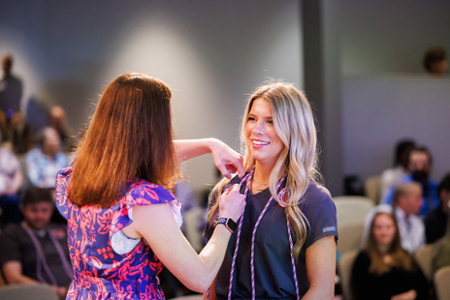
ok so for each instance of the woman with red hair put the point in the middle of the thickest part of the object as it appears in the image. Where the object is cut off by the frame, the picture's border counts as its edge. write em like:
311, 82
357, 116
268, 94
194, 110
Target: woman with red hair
122, 216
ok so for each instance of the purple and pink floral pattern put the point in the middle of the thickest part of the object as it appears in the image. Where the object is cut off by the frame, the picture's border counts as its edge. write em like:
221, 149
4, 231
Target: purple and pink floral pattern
99, 272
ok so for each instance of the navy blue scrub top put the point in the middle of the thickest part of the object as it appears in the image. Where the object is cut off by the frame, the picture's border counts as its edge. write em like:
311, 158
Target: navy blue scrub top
273, 268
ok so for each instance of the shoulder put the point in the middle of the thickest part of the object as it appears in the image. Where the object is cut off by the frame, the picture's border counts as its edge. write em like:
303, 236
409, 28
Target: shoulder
388, 173
234, 180
320, 211
433, 184
62, 157
140, 191
316, 197
7, 158
13, 231
6, 152
62, 178
417, 221
33, 153
434, 214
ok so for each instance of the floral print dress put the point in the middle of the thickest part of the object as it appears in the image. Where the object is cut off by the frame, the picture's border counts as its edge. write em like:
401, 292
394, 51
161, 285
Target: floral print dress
100, 272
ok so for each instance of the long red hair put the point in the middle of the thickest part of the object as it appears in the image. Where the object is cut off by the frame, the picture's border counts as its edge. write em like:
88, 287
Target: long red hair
129, 136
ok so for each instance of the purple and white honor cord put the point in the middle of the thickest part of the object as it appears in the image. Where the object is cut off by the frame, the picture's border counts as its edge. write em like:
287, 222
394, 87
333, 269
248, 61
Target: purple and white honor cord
42, 262
233, 262
291, 248
252, 257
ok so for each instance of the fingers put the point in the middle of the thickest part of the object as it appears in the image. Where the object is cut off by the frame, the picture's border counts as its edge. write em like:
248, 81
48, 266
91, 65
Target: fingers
240, 167
227, 191
232, 167
227, 160
224, 170
234, 187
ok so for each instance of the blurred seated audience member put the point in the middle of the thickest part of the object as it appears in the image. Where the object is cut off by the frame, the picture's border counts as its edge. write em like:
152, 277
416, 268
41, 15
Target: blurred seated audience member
406, 202
383, 270
442, 258
11, 179
435, 61
17, 133
400, 168
36, 251
10, 87
43, 162
57, 120
2, 126
436, 221
184, 194
420, 163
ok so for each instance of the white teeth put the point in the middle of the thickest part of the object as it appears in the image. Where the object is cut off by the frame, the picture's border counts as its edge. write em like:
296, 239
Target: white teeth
260, 143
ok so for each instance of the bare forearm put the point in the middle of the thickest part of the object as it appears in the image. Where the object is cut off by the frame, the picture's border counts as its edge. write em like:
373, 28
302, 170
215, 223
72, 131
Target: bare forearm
187, 149
213, 253
319, 293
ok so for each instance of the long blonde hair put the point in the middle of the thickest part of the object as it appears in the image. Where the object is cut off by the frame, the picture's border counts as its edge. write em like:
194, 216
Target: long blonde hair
294, 124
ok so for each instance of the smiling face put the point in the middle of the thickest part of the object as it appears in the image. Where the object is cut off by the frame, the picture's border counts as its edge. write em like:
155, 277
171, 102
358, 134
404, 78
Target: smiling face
261, 138
383, 230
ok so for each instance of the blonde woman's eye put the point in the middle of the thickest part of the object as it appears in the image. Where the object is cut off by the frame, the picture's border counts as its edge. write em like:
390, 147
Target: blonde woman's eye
270, 122
251, 119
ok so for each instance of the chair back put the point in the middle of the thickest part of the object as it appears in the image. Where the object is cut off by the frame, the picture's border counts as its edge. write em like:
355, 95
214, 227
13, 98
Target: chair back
442, 283
27, 292
424, 258
350, 234
345, 265
372, 187
352, 208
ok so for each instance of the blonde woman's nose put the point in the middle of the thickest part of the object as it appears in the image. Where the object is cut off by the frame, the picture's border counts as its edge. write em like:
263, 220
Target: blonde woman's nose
258, 129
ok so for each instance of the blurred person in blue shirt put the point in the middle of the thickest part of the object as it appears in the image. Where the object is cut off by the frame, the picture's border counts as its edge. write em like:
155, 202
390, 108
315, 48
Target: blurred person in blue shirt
420, 164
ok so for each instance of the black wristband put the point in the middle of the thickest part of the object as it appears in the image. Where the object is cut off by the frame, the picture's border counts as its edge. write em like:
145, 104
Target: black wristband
228, 222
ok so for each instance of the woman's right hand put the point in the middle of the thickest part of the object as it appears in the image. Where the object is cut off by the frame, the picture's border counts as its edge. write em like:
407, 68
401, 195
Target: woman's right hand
231, 203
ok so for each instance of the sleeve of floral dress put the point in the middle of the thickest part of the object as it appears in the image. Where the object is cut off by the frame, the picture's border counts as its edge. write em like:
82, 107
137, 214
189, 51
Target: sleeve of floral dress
141, 192
61, 191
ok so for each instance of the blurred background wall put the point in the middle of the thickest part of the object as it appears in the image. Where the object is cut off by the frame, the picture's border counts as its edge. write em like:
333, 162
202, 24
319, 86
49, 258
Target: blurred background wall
386, 95
359, 61
211, 53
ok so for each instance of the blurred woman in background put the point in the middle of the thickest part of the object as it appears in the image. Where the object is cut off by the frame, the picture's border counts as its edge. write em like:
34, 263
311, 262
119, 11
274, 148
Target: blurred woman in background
383, 270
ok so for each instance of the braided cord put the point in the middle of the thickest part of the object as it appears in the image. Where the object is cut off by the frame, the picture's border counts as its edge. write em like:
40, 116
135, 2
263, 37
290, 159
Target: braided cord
248, 178
233, 262
252, 252
291, 246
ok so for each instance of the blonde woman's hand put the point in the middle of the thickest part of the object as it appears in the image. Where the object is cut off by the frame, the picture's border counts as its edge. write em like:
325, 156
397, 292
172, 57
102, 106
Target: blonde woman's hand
231, 203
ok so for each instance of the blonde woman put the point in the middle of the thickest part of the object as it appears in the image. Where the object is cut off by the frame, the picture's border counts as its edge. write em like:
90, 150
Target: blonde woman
284, 245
